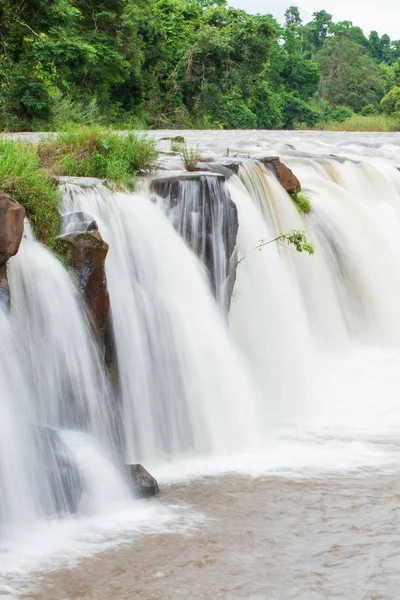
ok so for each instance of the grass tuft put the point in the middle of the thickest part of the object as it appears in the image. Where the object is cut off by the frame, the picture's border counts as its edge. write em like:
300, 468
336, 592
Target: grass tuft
22, 177
98, 152
189, 156
301, 201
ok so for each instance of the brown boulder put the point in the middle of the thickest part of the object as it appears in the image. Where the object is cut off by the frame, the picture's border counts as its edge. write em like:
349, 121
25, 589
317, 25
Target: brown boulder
86, 254
145, 485
12, 217
285, 176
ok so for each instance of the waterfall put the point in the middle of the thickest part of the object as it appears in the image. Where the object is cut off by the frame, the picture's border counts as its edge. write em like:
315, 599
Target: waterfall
266, 309
218, 344
182, 386
355, 226
51, 383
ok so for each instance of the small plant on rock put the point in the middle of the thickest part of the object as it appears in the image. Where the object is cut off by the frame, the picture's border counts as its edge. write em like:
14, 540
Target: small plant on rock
301, 201
190, 156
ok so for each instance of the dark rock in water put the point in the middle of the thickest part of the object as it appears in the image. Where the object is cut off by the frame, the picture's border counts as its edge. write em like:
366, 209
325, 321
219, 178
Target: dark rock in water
201, 210
178, 139
63, 481
78, 222
227, 169
87, 253
144, 484
285, 176
4, 289
83, 182
12, 217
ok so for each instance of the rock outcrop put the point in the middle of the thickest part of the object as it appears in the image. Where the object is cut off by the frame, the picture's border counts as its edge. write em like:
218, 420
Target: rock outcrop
143, 483
201, 210
12, 217
285, 176
86, 254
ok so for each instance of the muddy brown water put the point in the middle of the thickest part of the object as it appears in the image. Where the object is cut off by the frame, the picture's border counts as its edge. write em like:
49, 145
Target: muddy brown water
262, 539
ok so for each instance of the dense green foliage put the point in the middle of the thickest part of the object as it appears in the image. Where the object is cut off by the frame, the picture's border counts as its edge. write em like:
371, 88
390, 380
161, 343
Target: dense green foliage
185, 63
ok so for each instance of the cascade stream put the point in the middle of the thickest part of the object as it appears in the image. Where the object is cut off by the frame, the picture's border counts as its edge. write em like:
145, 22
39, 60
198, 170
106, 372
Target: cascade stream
218, 346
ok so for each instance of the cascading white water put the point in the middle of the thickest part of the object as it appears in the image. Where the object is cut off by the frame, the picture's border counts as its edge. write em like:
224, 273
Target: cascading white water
267, 310
53, 382
185, 387
18, 453
182, 385
355, 224
199, 207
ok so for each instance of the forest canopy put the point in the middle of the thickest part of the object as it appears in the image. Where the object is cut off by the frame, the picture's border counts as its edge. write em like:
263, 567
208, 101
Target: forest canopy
186, 63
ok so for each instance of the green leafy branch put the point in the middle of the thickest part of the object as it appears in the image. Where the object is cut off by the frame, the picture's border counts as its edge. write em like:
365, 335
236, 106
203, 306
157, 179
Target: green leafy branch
295, 237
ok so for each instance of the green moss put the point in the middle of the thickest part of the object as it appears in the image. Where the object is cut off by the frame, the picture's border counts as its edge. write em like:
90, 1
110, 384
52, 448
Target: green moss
98, 152
31, 186
301, 201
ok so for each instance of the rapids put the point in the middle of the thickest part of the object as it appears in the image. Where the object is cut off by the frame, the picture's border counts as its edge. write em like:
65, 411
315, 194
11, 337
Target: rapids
247, 420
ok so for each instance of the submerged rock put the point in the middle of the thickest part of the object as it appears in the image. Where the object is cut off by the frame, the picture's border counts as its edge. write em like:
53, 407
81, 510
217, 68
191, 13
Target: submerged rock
285, 176
4, 289
65, 484
199, 206
77, 222
86, 254
144, 484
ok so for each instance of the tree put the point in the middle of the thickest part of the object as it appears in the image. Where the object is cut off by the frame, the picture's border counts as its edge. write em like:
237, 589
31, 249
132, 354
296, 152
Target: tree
349, 77
292, 18
316, 31
391, 102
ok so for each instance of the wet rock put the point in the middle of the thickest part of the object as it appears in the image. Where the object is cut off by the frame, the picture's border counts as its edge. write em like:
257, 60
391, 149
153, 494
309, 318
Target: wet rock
144, 484
285, 176
4, 289
86, 254
12, 217
62, 475
77, 221
227, 169
83, 182
200, 208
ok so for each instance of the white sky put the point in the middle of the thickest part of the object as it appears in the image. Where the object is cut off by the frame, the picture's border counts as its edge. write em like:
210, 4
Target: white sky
381, 15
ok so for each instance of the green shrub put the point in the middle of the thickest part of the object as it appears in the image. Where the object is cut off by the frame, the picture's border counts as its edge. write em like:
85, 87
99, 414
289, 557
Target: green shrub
31, 186
362, 123
369, 109
66, 112
391, 102
98, 152
301, 201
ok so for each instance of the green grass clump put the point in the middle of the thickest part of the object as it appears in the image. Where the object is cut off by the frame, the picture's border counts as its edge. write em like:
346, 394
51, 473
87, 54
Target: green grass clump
22, 177
98, 152
301, 201
189, 157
